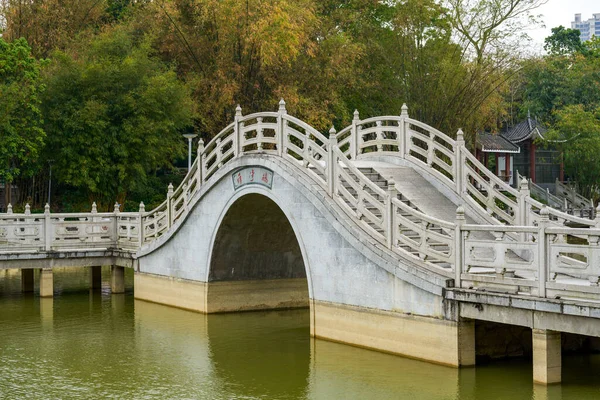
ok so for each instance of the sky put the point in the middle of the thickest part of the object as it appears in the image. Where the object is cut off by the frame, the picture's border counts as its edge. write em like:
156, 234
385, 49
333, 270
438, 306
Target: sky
562, 12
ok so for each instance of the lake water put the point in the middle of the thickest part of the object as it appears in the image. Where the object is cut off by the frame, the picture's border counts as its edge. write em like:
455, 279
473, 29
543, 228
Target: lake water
92, 345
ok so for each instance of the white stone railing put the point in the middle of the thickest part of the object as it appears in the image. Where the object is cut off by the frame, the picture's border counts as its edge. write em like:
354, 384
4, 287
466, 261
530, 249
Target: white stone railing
543, 194
574, 199
451, 163
545, 261
524, 248
26, 232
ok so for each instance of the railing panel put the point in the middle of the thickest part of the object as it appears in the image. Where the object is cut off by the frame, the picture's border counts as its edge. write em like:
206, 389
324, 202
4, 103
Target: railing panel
500, 262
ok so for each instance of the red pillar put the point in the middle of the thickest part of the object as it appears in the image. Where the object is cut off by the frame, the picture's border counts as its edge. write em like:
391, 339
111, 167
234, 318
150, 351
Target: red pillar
532, 161
507, 167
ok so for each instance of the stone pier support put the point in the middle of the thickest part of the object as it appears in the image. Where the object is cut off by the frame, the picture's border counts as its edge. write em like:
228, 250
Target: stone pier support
466, 343
27, 280
96, 278
46, 283
547, 364
117, 279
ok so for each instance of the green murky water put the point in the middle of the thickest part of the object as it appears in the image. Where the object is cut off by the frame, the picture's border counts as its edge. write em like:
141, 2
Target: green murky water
92, 345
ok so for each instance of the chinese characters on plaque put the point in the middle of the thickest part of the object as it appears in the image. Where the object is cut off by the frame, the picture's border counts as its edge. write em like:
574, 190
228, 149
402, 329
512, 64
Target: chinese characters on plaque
252, 176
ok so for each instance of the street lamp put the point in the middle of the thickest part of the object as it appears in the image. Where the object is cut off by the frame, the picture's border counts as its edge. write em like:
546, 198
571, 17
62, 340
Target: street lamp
50, 180
190, 137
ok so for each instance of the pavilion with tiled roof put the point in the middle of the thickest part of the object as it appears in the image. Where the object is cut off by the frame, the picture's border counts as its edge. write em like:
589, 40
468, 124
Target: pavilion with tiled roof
515, 150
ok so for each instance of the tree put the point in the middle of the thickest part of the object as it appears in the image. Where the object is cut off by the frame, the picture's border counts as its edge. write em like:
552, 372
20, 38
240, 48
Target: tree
577, 134
489, 26
114, 114
563, 41
21, 133
49, 24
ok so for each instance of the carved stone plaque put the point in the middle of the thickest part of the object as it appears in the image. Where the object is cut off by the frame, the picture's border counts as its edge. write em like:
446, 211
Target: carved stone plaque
252, 176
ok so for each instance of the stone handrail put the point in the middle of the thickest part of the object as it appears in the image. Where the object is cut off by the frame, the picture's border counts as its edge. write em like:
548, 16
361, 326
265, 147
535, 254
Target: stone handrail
28, 232
544, 194
521, 247
546, 261
451, 163
574, 199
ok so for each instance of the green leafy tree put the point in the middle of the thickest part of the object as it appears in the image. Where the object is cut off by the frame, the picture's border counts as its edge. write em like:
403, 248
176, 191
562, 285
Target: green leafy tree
114, 114
563, 41
21, 132
577, 133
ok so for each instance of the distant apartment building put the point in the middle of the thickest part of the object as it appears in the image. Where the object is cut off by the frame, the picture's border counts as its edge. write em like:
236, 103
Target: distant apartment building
588, 28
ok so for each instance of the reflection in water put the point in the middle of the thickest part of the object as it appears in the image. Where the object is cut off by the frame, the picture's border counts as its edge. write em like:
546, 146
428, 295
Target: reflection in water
261, 353
90, 344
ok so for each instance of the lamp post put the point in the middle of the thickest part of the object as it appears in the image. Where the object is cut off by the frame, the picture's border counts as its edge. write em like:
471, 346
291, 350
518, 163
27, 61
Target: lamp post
190, 137
50, 180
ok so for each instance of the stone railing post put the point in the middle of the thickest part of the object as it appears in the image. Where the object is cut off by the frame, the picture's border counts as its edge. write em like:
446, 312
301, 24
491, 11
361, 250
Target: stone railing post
524, 192
597, 217
185, 197
116, 212
457, 163
390, 219
458, 245
93, 220
354, 136
47, 227
142, 211
27, 209
543, 267
9, 209
237, 133
331, 162
403, 144
170, 205
281, 128
200, 160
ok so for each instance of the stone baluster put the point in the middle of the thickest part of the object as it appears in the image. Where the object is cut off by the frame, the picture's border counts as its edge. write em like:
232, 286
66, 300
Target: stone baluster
9, 209
404, 135
238, 139
219, 151
524, 193
391, 214
597, 218
458, 245
594, 243
170, 210
200, 158
379, 136
281, 136
141, 212
457, 163
543, 267
185, 197
93, 220
27, 209
331, 162
259, 134
354, 136
47, 227
116, 212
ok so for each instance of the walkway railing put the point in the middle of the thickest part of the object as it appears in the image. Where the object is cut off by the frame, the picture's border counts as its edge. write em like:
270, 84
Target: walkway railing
26, 232
526, 248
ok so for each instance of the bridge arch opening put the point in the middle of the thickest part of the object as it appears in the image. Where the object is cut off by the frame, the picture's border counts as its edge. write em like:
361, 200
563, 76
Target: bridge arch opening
256, 261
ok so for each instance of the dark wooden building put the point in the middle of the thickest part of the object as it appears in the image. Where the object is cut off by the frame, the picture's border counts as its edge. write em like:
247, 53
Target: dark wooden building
518, 149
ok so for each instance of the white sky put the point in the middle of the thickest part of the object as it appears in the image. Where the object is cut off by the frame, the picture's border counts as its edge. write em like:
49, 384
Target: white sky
562, 12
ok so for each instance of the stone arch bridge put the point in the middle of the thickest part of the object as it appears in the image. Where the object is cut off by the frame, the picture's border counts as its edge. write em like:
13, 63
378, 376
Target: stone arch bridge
392, 232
